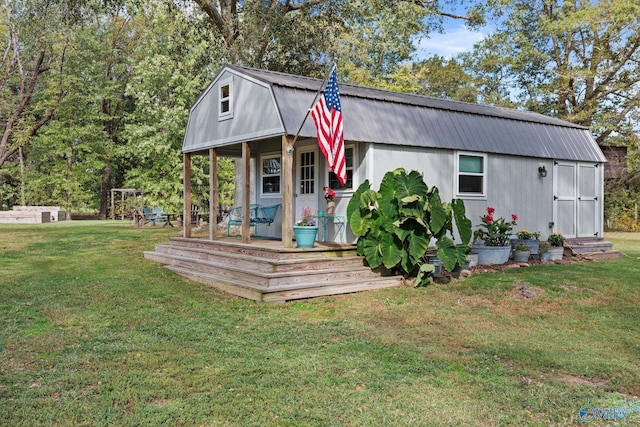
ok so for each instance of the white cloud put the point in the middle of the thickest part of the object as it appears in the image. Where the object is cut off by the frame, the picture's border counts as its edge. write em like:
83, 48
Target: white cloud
454, 41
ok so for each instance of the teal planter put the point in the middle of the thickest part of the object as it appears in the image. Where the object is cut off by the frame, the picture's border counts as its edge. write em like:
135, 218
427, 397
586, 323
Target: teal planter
305, 235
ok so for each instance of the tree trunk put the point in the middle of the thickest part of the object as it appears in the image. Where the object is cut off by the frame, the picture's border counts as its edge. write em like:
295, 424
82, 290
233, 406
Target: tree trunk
104, 189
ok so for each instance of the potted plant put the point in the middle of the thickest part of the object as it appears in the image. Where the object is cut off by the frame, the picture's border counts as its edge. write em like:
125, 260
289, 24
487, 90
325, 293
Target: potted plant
306, 229
493, 238
528, 238
521, 253
544, 252
329, 196
556, 243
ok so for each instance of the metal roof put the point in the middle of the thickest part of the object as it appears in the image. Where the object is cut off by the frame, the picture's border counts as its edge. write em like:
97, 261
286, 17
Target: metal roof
379, 116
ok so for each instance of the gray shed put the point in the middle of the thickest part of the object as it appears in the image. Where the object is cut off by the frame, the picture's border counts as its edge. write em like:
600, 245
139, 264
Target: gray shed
547, 171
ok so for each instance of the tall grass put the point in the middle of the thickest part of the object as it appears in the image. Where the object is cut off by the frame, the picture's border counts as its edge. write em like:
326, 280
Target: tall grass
94, 334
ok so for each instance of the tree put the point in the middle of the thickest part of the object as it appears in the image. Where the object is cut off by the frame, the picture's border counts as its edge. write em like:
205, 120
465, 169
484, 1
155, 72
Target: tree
573, 59
369, 37
30, 68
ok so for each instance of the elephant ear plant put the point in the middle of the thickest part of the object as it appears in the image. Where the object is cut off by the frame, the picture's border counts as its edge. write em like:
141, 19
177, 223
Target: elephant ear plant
396, 225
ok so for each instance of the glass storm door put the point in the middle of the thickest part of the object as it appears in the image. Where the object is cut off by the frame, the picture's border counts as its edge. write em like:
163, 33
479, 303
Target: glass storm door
306, 180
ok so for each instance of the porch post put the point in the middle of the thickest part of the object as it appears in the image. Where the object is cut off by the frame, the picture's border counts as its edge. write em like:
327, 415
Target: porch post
213, 193
186, 215
287, 191
246, 192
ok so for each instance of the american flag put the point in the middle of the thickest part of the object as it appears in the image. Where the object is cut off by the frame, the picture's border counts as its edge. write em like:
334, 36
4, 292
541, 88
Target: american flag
327, 115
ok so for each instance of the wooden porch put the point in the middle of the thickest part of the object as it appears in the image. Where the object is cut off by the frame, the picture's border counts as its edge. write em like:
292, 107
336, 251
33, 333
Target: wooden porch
264, 270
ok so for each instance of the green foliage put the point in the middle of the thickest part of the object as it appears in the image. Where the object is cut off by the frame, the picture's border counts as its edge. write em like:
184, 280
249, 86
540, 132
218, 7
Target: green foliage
396, 224
494, 231
574, 60
555, 239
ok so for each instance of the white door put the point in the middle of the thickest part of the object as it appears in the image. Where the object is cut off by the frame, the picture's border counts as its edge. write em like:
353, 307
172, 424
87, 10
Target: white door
588, 203
306, 180
576, 205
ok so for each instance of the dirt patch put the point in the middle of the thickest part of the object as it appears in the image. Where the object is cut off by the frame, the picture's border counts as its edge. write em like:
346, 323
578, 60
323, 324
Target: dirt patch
572, 288
524, 290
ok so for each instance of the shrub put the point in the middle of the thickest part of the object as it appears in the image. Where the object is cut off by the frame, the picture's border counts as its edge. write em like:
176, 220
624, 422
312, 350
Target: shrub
395, 225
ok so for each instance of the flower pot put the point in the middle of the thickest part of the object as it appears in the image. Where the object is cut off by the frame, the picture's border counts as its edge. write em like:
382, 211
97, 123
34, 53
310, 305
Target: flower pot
555, 253
305, 235
472, 260
521, 256
532, 244
437, 264
331, 208
492, 254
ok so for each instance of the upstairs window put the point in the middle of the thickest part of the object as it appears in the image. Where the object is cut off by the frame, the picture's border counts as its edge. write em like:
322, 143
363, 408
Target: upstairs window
471, 175
224, 95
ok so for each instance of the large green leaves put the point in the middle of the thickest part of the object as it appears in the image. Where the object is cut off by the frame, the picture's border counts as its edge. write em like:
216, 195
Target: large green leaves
396, 225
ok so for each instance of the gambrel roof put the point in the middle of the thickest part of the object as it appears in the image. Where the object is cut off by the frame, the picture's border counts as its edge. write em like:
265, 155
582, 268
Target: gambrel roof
379, 116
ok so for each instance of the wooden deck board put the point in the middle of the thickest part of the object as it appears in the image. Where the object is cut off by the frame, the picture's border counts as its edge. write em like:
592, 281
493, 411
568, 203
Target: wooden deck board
263, 270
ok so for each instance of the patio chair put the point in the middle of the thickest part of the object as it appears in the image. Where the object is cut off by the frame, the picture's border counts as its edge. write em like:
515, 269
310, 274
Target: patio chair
266, 215
159, 215
235, 216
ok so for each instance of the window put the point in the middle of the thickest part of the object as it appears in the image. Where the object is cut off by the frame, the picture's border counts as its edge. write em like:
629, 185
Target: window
333, 179
226, 107
270, 174
471, 175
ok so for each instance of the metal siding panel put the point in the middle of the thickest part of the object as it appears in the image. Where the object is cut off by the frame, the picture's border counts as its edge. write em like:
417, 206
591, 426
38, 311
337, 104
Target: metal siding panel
372, 115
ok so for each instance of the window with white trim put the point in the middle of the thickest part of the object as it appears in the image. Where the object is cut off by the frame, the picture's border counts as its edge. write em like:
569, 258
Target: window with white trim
471, 176
224, 95
270, 169
349, 152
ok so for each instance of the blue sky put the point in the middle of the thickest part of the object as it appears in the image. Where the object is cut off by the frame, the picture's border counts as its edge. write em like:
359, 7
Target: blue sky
456, 39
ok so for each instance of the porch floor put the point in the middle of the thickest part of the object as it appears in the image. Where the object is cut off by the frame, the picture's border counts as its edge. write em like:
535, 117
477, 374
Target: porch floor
264, 270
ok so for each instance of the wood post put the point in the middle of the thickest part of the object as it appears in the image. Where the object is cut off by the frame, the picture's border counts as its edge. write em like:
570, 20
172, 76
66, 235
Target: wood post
186, 215
287, 191
246, 192
213, 193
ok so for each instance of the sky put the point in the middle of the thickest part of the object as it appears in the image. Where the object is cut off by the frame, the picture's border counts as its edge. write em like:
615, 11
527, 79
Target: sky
456, 39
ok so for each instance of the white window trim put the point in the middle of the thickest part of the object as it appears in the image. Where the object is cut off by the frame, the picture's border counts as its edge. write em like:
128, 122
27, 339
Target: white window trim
262, 158
229, 114
456, 176
356, 183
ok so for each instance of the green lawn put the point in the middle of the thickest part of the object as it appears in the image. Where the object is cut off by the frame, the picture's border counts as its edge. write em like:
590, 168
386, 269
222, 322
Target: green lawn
94, 334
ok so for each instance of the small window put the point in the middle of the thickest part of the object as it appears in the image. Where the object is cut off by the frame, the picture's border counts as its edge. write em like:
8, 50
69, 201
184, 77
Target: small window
471, 176
333, 179
270, 174
226, 107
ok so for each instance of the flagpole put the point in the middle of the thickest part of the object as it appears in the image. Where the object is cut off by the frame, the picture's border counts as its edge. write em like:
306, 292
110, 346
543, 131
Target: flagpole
324, 83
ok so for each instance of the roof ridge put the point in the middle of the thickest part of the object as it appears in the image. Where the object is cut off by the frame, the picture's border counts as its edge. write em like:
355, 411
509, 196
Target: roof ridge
403, 98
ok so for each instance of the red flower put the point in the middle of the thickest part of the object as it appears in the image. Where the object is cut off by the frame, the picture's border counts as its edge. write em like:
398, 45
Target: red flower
488, 218
490, 210
514, 217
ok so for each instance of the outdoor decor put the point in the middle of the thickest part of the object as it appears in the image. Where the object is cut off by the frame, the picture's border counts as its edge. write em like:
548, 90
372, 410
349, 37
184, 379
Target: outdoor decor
306, 229
493, 238
329, 196
529, 239
556, 249
521, 253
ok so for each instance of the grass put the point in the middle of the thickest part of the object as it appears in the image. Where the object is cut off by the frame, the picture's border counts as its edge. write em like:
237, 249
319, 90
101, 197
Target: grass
94, 334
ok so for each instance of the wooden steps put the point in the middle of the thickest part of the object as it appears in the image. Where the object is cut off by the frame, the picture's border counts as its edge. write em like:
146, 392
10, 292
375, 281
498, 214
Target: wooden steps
593, 248
264, 271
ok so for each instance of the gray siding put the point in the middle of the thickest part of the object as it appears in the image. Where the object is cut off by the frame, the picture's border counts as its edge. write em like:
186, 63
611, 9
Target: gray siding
255, 115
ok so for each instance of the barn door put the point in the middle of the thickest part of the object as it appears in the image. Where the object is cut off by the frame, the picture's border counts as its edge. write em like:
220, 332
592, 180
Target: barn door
588, 203
575, 202
564, 198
